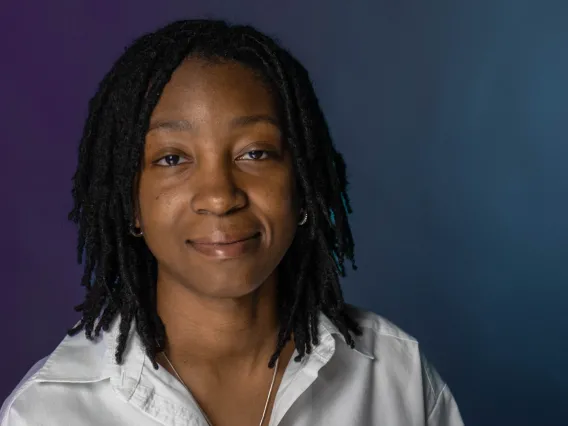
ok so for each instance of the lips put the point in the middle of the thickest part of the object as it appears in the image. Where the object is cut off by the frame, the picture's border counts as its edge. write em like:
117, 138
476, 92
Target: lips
226, 246
220, 239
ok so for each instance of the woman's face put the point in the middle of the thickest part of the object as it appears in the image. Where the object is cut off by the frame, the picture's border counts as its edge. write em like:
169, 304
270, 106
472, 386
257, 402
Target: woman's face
216, 196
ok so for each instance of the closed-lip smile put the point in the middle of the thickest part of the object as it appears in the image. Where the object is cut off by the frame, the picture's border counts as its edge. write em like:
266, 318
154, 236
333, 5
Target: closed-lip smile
220, 239
226, 246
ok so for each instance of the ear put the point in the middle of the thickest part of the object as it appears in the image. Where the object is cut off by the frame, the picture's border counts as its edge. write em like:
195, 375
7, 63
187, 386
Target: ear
137, 219
136, 202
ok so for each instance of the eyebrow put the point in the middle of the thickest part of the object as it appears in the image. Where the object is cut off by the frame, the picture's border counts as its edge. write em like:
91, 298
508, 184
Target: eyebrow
184, 125
253, 119
171, 125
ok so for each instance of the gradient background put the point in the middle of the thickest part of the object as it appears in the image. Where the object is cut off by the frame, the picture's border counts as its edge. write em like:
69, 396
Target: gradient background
453, 119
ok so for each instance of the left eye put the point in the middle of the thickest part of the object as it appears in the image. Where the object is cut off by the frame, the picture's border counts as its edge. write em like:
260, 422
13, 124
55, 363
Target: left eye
171, 161
255, 155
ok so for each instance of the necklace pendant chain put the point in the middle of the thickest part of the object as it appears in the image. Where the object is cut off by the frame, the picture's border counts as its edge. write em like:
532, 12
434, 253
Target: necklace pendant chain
204, 415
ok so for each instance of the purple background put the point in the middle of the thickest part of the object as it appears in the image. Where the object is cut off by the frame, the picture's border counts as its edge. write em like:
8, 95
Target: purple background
452, 118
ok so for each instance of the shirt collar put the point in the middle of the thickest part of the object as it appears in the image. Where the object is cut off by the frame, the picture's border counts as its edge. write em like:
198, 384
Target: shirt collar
363, 344
78, 360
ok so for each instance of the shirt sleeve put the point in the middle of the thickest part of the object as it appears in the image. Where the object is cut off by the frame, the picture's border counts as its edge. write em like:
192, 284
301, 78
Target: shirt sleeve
442, 409
7, 417
445, 412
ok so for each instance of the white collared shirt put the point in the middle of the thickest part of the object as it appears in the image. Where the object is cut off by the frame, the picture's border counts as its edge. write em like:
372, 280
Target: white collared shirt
385, 381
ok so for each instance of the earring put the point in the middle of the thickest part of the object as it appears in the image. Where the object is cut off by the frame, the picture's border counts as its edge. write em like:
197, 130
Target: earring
304, 218
136, 232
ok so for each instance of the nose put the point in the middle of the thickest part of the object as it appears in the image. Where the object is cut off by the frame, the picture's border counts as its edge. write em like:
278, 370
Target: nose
217, 192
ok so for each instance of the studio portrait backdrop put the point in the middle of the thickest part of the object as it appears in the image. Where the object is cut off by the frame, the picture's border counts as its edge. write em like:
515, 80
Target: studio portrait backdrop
452, 117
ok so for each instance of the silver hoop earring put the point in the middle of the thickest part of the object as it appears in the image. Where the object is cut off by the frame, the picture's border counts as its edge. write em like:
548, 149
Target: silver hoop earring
304, 219
136, 232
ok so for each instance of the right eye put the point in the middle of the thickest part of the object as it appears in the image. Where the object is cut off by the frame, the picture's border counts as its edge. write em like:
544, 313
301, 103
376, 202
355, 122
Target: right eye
171, 161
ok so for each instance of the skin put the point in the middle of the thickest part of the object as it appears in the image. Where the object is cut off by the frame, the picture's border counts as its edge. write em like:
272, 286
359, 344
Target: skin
216, 170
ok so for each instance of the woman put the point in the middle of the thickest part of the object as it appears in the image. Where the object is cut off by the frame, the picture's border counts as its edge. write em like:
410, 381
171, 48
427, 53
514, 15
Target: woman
212, 214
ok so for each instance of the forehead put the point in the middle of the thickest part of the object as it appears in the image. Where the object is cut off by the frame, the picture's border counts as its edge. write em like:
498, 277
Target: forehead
206, 89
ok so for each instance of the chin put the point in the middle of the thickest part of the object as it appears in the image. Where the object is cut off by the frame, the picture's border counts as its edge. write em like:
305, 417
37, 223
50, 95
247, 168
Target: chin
234, 284
225, 280
229, 291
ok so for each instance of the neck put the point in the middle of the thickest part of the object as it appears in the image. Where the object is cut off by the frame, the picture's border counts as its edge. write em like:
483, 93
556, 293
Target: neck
212, 331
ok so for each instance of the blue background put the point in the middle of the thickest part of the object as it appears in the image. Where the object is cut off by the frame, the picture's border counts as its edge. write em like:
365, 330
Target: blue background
452, 116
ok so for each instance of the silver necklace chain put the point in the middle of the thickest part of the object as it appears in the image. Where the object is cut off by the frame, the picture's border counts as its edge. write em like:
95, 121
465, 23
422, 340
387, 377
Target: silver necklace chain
206, 419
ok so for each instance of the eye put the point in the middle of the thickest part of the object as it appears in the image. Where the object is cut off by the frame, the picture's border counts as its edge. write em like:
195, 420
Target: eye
171, 161
257, 154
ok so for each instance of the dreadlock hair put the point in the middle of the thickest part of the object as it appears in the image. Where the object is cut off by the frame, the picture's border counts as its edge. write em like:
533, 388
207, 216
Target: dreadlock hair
120, 272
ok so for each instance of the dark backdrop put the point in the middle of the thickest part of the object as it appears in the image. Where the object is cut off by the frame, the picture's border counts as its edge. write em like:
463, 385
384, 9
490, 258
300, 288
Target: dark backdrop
452, 116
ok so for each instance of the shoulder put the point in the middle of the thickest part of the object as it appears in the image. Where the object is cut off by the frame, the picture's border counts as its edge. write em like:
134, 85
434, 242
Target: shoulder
20, 388
399, 353
379, 325
381, 336
75, 360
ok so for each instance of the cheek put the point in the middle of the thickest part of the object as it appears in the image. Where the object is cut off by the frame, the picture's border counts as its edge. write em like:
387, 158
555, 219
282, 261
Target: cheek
158, 206
159, 217
276, 197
